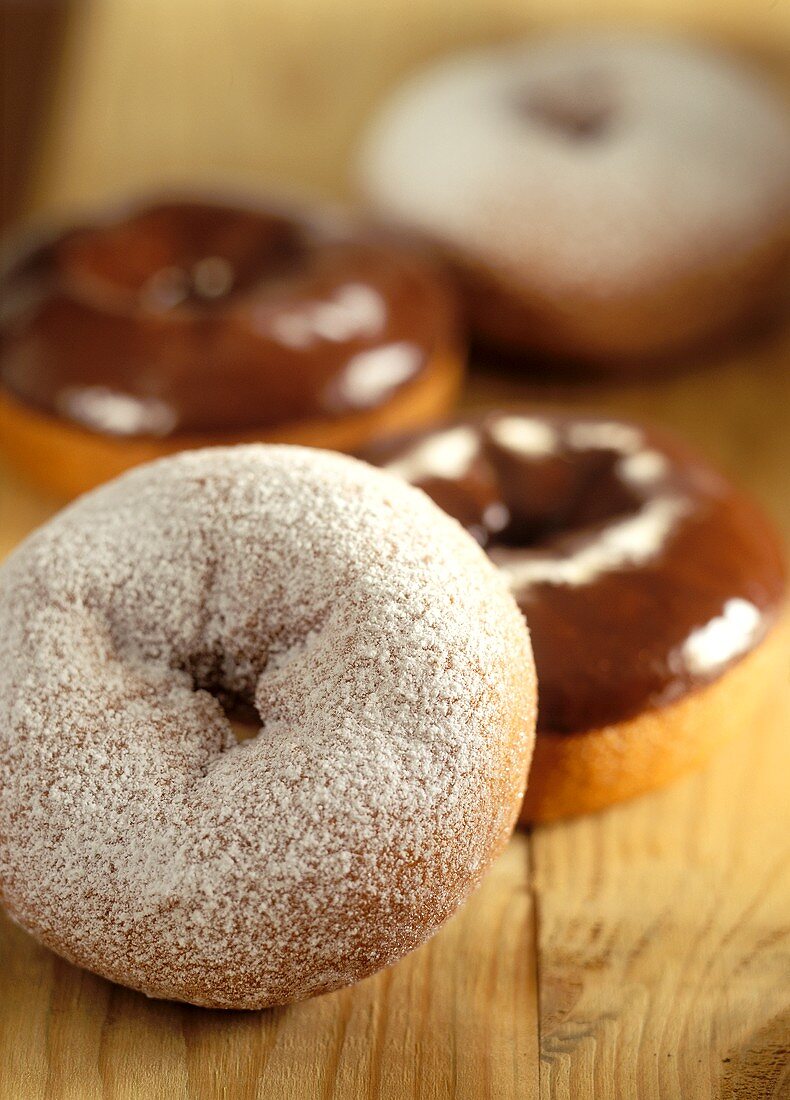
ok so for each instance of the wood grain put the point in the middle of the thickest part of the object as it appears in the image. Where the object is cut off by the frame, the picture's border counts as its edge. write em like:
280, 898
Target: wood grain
642, 953
663, 939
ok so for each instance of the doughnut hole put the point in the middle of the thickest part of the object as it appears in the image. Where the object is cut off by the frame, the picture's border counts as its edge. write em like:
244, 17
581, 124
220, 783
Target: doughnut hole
581, 108
587, 492
554, 495
245, 722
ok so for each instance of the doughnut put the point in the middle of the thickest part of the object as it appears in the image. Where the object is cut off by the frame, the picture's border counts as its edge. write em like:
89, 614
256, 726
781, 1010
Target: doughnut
178, 324
652, 586
393, 676
607, 199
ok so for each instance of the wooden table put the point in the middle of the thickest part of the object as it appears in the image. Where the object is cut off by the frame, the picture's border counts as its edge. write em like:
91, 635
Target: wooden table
641, 953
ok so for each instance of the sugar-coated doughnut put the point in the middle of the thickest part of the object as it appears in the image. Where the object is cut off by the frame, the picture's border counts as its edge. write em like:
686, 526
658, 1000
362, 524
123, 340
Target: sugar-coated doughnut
653, 589
392, 673
603, 196
184, 323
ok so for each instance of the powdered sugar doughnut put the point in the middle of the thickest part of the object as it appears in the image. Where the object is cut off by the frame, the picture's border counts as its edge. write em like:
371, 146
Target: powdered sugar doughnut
602, 194
393, 676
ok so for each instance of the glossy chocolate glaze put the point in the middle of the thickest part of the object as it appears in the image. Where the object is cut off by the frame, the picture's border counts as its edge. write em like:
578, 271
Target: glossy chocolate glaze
191, 317
643, 573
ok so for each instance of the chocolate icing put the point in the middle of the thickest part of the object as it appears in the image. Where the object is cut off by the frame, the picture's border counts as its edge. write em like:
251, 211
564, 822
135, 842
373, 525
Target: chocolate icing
643, 573
196, 317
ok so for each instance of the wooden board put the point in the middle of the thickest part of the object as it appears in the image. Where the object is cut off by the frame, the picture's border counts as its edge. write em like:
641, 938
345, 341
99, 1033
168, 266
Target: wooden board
642, 953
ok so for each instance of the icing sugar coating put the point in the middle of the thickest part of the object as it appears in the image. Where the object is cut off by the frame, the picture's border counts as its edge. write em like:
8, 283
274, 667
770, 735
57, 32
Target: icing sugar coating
392, 673
196, 317
642, 571
589, 163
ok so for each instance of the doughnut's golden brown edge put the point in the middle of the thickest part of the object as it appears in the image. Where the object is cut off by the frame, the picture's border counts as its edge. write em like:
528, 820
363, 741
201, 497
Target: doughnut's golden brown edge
574, 774
64, 460
691, 314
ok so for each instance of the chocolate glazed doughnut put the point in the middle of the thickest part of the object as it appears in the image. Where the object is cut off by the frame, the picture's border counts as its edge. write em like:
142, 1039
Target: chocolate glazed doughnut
652, 588
183, 323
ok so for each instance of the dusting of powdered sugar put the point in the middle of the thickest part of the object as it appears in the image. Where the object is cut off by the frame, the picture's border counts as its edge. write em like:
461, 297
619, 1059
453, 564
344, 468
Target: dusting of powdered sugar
390, 668
592, 161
